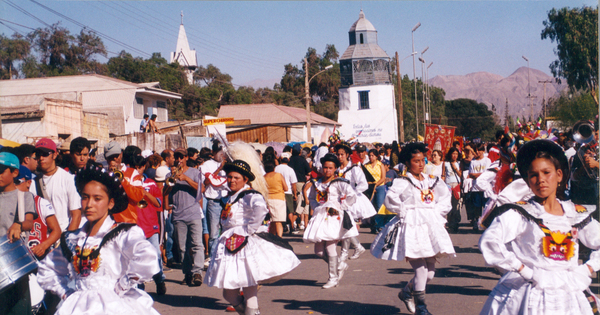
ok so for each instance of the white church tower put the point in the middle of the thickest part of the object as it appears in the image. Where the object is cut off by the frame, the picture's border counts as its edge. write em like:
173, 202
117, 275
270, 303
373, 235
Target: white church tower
183, 55
367, 101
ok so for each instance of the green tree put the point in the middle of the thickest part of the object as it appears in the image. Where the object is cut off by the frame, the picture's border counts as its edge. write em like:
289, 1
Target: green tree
12, 50
575, 32
568, 109
472, 119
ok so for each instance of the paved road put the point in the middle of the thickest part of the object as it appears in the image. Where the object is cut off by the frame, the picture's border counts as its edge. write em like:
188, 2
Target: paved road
370, 286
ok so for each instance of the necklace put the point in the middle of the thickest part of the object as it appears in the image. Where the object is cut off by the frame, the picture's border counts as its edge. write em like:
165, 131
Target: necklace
426, 193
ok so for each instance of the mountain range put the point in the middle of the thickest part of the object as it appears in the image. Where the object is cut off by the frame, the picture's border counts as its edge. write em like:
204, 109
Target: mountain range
492, 89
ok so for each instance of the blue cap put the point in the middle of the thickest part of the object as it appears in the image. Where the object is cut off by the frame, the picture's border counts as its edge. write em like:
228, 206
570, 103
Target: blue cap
297, 147
9, 159
24, 173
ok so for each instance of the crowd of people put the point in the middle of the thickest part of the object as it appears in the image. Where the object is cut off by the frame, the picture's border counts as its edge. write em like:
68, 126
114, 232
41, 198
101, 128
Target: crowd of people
100, 231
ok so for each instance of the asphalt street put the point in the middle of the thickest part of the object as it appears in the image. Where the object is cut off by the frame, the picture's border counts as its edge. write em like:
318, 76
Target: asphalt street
370, 286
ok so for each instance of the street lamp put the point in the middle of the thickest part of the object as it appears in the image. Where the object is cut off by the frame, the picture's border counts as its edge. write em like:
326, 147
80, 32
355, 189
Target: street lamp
423, 91
428, 100
306, 90
415, 75
400, 103
529, 89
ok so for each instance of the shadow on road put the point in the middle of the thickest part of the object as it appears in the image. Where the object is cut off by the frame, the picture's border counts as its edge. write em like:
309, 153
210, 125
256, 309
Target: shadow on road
303, 282
338, 307
190, 301
466, 250
456, 271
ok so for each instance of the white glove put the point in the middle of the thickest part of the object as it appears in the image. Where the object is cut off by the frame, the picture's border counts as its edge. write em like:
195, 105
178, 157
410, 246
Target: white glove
527, 273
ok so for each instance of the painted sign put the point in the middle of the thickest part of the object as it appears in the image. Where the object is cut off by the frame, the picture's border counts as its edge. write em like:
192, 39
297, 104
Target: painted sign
215, 121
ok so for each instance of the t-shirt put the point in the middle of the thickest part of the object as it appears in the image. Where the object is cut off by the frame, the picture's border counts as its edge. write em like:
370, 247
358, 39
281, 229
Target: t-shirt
478, 166
143, 125
213, 192
185, 198
300, 167
288, 174
433, 169
275, 184
391, 174
451, 176
8, 210
147, 218
62, 194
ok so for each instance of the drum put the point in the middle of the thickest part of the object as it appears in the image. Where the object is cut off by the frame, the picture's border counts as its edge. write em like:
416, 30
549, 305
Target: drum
16, 261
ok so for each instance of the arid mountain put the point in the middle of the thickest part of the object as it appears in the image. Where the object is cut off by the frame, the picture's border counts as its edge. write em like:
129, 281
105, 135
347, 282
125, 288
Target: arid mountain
494, 89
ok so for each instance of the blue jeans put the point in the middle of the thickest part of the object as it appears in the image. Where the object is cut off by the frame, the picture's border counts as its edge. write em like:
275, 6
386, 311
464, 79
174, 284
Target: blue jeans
213, 218
160, 276
379, 197
169, 238
190, 232
204, 223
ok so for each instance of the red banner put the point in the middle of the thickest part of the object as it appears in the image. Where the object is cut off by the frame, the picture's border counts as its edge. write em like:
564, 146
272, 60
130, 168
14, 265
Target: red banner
438, 137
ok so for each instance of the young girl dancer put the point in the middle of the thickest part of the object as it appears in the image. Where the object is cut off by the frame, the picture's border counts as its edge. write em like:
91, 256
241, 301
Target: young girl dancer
417, 233
535, 241
107, 260
331, 198
363, 208
245, 255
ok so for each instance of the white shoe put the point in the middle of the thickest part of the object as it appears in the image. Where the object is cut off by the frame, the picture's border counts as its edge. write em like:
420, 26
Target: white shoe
341, 270
343, 256
302, 226
331, 283
357, 252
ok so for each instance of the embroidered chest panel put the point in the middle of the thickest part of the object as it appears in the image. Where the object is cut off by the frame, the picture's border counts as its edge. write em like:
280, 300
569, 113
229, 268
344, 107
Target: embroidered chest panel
84, 262
557, 245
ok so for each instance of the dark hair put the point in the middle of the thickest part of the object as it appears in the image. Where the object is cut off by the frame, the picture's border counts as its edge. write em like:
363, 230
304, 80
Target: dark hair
138, 161
78, 144
375, 152
112, 185
23, 151
562, 185
216, 146
330, 158
287, 148
439, 153
93, 152
449, 154
191, 151
205, 154
410, 149
153, 117
129, 153
344, 147
499, 134
192, 163
146, 116
269, 166
480, 147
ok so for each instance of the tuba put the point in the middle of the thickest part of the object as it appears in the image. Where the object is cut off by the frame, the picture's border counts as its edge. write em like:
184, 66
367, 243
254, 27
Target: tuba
583, 132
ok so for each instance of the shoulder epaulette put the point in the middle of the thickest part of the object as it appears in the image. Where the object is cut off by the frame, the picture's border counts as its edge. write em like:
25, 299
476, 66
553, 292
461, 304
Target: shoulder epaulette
114, 232
339, 179
518, 206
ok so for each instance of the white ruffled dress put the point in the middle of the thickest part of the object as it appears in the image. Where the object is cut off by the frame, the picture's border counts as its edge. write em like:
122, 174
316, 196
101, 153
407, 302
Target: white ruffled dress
418, 229
336, 194
559, 284
362, 208
129, 255
259, 261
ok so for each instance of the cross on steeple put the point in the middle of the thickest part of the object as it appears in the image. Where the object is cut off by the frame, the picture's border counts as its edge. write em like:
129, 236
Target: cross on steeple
181, 17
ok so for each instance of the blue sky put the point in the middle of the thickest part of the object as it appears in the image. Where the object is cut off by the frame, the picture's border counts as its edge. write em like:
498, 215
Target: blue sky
254, 40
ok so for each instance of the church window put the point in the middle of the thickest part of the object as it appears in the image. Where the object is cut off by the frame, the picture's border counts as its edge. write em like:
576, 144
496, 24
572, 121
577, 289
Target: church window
363, 97
361, 39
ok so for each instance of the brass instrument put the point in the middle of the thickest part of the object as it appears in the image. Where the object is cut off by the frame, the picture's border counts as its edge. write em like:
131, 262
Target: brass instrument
119, 175
583, 133
142, 204
173, 179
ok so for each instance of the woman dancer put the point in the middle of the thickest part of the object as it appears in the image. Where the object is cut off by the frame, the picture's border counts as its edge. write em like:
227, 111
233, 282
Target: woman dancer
331, 198
107, 260
363, 208
246, 255
543, 275
417, 233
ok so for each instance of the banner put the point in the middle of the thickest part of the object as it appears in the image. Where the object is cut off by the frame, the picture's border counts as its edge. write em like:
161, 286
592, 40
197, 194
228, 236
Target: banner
210, 122
438, 137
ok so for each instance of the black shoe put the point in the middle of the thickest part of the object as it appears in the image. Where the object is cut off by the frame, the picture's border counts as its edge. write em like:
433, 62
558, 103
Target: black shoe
196, 280
170, 263
187, 280
161, 288
422, 310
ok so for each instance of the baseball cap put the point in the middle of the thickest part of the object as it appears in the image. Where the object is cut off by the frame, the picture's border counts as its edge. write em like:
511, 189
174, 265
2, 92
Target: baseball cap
181, 151
286, 155
112, 148
24, 173
146, 153
9, 159
161, 173
46, 145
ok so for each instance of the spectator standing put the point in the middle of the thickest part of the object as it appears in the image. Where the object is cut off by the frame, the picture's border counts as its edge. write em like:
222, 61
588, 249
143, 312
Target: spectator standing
277, 188
26, 155
152, 124
290, 194
435, 166
113, 156
474, 204
377, 171
79, 155
302, 170
57, 186
168, 162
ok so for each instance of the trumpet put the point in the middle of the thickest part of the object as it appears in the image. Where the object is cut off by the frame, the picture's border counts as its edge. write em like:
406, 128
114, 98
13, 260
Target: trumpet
119, 175
173, 179
142, 204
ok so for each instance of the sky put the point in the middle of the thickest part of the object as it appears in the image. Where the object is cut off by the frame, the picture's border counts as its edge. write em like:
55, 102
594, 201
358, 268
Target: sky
252, 40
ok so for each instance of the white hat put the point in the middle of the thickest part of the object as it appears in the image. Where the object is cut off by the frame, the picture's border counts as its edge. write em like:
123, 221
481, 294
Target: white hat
146, 153
161, 173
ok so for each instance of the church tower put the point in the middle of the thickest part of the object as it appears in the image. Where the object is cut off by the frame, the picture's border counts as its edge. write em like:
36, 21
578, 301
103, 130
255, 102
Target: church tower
367, 101
183, 55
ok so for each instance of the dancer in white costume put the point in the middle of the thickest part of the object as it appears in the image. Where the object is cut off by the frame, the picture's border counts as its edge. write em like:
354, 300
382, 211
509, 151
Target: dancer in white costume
417, 233
245, 254
331, 197
535, 241
362, 208
106, 260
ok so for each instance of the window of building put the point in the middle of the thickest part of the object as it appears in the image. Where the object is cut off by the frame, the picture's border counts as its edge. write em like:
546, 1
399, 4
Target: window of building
139, 100
161, 104
361, 39
363, 98
138, 108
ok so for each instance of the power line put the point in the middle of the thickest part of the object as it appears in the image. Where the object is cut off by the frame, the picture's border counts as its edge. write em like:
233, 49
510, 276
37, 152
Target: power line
33, 29
26, 12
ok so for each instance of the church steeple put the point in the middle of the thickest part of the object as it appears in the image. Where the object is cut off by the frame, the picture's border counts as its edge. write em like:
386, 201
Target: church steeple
183, 54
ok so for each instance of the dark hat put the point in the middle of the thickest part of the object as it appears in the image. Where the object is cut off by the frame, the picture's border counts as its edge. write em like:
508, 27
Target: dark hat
109, 180
241, 167
330, 158
181, 151
528, 151
343, 145
407, 151
361, 148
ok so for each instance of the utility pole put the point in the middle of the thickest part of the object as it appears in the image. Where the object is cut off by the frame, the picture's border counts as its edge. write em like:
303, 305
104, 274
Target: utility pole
544, 99
400, 104
308, 135
506, 116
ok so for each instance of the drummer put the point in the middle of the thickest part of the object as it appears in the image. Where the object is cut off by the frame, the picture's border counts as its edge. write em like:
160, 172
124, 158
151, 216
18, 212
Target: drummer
16, 299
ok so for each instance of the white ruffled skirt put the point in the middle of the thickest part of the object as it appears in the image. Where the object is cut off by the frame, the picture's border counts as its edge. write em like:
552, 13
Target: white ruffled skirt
421, 234
104, 301
323, 227
560, 292
260, 261
362, 208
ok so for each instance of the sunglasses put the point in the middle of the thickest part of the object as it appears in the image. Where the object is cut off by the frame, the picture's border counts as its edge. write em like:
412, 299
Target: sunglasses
42, 153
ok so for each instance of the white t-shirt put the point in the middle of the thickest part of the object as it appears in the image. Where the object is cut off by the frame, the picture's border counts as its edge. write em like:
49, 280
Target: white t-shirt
451, 176
211, 191
478, 166
433, 169
288, 175
62, 194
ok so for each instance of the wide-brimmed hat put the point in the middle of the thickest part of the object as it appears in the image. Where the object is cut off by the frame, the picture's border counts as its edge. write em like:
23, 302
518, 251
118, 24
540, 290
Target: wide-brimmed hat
528, 151
241, 167
330, 158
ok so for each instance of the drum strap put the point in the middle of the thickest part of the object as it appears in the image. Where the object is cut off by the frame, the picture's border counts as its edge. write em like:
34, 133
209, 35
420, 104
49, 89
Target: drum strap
114, 232
21, 205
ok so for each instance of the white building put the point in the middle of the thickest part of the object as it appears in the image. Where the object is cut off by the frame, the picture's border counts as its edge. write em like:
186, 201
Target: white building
184, 55
367, 99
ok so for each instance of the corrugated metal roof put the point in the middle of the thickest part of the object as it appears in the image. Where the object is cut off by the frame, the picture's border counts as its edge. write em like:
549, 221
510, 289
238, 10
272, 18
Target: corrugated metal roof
262, 114
361, 51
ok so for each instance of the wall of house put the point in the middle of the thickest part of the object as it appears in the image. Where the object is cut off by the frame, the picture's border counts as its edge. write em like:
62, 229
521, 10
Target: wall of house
63, 117
95, 127
23, 130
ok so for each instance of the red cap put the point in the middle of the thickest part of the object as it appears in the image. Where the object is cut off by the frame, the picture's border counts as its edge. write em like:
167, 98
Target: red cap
46, 143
